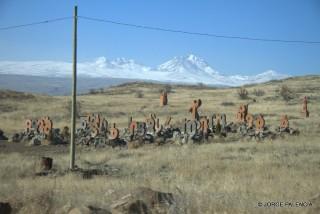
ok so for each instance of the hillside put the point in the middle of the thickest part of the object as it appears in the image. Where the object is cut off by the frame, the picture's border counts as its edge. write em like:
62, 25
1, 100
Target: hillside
117, 103
229, 175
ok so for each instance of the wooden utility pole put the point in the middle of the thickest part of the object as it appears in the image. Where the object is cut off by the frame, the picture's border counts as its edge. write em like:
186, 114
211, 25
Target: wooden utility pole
74, 90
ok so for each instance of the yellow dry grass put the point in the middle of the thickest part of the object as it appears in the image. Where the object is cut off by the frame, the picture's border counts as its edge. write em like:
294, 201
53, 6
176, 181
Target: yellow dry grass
210, 178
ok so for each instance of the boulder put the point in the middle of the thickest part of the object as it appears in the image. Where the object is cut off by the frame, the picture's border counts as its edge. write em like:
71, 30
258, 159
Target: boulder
5, 208
35, 141
65, 134
65, 209
16, 138
315, 208
80, 210
88, 210
2, 137
44, 164
144, 201
38, 206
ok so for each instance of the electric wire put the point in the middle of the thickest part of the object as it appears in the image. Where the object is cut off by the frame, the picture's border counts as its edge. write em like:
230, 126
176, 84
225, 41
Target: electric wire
146, 27
35, 23
196, 33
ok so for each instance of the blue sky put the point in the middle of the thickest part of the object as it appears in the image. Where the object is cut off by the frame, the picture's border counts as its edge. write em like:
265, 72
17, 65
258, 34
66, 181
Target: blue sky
274, 19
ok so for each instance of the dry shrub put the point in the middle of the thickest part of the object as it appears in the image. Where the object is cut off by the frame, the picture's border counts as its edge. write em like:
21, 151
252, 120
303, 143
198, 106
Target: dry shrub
93, 91
134, 144
7, 108
167, 88
101, 90
138, 94
201, 85
78, 108
7, 94
243, 93
38, 204
259, 92
227, 103
285, 93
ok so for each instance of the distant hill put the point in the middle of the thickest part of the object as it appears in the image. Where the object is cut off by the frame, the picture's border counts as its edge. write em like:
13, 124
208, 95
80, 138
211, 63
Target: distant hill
62, 86
54, 85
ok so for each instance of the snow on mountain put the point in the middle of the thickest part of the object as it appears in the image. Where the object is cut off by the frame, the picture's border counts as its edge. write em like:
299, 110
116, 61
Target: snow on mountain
191, 69
184, 69
259, 78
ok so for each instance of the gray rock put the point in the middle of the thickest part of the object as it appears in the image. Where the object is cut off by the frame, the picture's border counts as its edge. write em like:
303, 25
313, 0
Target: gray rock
35, 142
5, 208
144, 201
88, 210
2, 137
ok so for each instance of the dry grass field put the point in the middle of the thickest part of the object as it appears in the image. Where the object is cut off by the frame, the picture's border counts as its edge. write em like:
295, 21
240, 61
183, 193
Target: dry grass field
228, 175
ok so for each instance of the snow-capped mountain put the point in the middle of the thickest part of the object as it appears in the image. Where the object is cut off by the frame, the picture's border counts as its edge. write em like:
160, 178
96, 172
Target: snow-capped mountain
192, 69
191, 64
185, 69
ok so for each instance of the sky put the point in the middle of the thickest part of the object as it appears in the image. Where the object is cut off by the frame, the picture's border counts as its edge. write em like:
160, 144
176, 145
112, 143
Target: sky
273, 19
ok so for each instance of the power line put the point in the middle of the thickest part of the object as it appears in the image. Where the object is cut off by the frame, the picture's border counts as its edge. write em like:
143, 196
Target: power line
161, 29
35, 23
197, 33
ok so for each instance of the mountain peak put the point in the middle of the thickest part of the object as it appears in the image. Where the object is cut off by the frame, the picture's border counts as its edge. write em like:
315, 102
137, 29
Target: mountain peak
101, 59
190, 65
193, 58
123, 60
101, 62
187, 62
